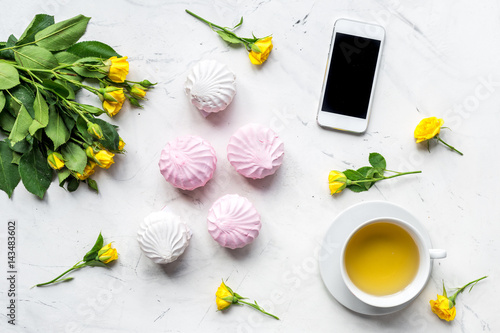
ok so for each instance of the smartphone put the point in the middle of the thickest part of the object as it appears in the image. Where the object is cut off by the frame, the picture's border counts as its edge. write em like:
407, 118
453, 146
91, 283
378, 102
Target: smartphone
350, 76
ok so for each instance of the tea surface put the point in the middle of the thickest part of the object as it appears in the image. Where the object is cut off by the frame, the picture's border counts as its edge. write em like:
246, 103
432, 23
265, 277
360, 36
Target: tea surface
381, 258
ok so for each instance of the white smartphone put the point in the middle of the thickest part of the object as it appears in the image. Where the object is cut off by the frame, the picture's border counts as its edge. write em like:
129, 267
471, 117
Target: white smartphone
350, 76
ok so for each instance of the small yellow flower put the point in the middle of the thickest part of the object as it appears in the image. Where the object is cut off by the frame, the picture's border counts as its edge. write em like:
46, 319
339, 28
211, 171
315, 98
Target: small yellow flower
337, 181
265, 45
55, 161
138, 91
221, 296
443, 307
121, 144
111, 107
87, 172
107, 254
104, 158
118, 70
428, 128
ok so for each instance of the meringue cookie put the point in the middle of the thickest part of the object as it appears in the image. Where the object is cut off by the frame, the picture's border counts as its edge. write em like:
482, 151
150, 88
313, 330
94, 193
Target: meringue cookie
163, 237
255, 151
210, 86
233, 221
188, 162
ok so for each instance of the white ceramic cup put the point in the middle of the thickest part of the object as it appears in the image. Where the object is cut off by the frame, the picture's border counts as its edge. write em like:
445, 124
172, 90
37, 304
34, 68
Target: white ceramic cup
414, 288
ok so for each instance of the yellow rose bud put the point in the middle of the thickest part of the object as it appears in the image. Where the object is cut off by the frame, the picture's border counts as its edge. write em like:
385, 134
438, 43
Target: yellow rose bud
222, 293
111, 107
104, 158
138, 91
118, 69
337, 181
94, 130
428, 128
90, 152
107, 254
87, 172
55, 160
443, 307
121, 144
265, 45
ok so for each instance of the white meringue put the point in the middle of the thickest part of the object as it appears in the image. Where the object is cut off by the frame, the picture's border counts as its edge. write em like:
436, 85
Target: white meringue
188, 162
163, 237
255, 151
210, 86
233, 221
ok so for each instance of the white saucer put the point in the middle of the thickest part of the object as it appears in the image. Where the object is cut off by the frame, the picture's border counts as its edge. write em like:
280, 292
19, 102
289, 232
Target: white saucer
337, 233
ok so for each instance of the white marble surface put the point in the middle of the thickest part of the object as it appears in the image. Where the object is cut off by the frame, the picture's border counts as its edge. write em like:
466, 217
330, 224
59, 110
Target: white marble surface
440, 57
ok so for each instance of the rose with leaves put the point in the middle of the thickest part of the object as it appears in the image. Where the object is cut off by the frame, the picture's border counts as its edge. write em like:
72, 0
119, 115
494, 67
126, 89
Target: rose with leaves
258, 48
99, 256
47, 129
363, 178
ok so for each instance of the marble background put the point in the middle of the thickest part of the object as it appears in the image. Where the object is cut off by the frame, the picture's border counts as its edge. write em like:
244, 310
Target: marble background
440, 59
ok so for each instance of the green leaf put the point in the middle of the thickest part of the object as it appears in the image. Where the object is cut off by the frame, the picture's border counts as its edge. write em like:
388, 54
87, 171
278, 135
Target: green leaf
39, 22
6, 122
96, 263
377, 161
41, 119
36, 58
19, 96
81, 126
63, 34
9, 173
9, 76
56, 87
353, 175
110, 137
357, 188
16, 158
74, 156
92, 184
21, 126
92, 254
56, 129
92, 109
66, 58
73, 184
22, 146
2, 100
93, 49
35, 172
364, 171
63, 175
9, 54
230, 38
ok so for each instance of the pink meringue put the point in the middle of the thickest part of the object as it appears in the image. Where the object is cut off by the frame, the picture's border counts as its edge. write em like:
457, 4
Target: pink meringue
188, 162
233, 221
255, 151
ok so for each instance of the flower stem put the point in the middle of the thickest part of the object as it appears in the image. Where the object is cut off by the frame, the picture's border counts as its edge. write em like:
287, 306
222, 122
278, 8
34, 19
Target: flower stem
452, 298
382, 178
451, 147
76, 266
257, 307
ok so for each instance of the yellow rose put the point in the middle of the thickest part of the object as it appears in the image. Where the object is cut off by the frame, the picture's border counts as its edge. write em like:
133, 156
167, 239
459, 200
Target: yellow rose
265, 45
428, 128
111, 107
121, 144
55, 161
443, 307
104, 158
87, 172
118, 70
337, 181
107, 254
222, 293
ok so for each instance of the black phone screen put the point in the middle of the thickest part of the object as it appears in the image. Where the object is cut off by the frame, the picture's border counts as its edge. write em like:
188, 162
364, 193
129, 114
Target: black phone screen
350, 78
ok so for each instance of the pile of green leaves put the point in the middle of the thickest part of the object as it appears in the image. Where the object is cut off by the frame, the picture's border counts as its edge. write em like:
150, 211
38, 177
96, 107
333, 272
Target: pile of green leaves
40, 75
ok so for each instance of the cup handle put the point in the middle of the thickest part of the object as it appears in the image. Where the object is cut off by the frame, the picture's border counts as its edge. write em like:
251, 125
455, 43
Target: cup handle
437, 253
